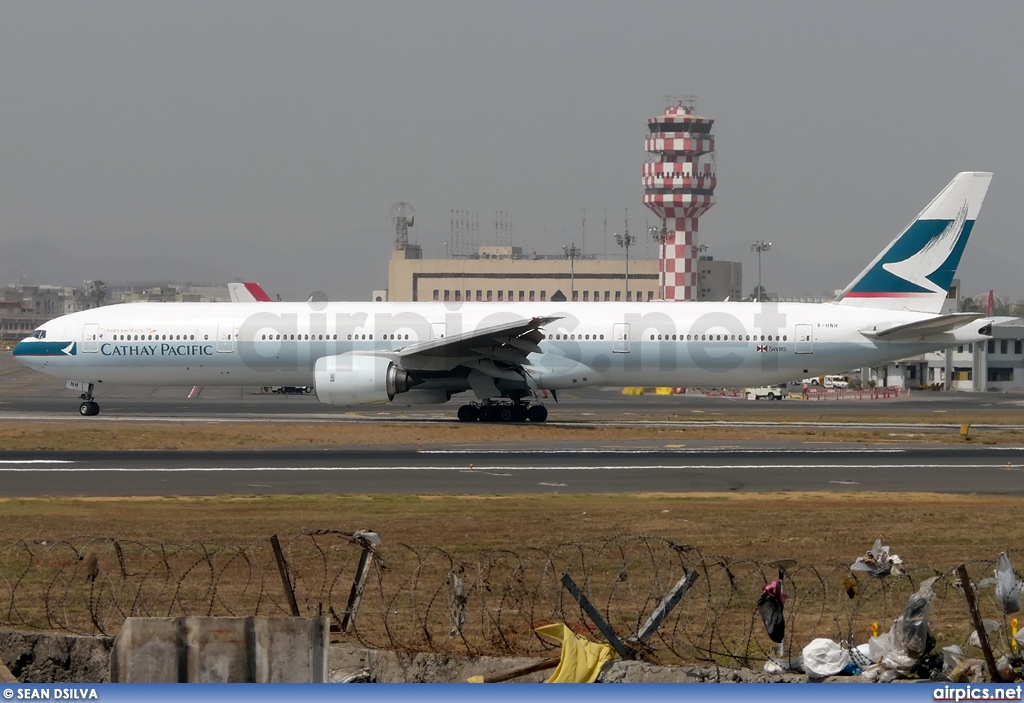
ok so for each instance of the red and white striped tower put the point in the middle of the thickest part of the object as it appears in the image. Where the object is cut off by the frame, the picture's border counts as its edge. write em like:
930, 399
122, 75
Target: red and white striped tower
679, 188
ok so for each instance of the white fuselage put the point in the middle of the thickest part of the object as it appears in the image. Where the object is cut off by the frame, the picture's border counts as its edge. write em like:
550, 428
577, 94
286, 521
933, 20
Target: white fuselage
623, 344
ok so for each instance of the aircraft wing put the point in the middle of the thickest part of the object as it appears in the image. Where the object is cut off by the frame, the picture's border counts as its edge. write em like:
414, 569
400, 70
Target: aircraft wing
495, 351
924, 328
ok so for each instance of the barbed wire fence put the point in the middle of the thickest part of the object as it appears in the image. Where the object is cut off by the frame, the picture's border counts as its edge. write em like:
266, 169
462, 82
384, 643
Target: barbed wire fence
416, 598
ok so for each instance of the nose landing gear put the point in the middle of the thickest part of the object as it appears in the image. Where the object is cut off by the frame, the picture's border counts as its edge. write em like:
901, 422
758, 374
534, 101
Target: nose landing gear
89, 406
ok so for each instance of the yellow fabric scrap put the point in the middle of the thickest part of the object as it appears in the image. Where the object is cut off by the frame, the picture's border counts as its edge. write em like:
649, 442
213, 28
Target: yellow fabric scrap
581, 659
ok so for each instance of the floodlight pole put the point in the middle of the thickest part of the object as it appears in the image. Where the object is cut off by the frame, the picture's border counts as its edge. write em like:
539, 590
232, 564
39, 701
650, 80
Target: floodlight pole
571, 252
760, 246
625, 240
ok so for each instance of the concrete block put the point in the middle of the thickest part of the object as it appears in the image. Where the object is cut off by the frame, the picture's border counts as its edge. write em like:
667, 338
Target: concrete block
221, 650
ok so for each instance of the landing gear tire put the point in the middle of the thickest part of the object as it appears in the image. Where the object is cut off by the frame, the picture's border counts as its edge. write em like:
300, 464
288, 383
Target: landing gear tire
488, 414
537, 413
469, 413
506, 413
88, 409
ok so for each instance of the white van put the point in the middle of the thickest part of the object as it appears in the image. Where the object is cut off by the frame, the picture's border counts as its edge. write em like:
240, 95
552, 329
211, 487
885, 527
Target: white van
836, 382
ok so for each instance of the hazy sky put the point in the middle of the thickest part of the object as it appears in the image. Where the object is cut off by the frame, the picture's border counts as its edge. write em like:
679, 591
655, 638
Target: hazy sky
268, 140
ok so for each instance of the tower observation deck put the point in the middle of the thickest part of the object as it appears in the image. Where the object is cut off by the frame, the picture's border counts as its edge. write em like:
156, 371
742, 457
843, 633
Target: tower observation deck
679, 188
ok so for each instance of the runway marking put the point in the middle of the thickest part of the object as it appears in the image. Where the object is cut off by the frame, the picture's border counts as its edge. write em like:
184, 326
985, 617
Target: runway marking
846, 482
553, 485
667, 450
485, 469
35, 461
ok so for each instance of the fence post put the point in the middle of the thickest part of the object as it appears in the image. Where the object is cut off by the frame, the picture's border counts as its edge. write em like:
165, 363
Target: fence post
356, 594
286, 580
667, 604
979, 626
591, 611
457, 607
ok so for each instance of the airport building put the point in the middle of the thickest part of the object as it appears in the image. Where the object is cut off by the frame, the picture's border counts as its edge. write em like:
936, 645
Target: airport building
504, 273
25, 307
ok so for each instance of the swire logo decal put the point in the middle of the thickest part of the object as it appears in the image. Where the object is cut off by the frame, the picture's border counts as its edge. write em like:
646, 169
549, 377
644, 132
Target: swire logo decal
917, 267
762, 347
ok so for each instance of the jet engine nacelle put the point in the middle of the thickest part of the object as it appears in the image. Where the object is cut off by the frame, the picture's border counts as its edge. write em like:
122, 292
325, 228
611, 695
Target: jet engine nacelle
358, 379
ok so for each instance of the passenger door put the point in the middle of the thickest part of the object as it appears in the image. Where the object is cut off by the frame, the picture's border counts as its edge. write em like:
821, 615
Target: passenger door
90, 338
225, 337
804, 339
620, 338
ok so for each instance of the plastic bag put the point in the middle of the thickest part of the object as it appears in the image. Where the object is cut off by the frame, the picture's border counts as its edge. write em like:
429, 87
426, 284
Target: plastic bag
823, 657
769, 605
878, 562
990, 627
784, 666
1007, 587
951, 658
911, 632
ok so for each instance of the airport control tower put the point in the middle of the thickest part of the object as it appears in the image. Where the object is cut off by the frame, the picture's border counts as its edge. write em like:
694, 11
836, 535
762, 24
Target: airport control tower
679, 187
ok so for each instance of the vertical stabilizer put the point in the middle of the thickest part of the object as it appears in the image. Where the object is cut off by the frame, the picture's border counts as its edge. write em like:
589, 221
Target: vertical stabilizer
916, 270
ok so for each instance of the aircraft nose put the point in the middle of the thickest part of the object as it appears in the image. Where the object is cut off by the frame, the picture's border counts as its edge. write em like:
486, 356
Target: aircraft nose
23, 352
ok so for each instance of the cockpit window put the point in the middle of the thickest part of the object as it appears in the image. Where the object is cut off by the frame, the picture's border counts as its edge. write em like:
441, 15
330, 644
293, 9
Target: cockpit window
39, 334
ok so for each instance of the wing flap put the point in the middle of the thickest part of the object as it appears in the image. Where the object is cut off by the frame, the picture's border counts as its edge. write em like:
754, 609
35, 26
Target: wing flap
510, 339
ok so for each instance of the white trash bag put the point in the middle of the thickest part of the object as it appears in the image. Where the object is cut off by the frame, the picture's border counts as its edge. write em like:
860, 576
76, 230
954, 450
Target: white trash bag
1007, 586
823, 657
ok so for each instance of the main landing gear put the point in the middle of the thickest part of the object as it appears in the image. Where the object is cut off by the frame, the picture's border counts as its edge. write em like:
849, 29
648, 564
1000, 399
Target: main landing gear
490, 411
89, 407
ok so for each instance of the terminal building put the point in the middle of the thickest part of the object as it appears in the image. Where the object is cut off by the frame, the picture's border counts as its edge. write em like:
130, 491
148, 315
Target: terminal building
505, 274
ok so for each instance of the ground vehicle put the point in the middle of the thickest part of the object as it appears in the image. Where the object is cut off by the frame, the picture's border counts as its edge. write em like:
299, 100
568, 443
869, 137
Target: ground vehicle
769, 392
836, 382
828, 381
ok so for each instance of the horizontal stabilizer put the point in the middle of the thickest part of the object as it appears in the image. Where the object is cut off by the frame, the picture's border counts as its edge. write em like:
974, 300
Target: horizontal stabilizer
923, 328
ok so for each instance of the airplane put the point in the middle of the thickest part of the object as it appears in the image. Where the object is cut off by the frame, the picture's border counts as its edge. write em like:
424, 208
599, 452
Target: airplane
510, 354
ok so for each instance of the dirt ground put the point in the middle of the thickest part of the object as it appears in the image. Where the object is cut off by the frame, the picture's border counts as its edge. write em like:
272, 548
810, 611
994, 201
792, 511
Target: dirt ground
810, 527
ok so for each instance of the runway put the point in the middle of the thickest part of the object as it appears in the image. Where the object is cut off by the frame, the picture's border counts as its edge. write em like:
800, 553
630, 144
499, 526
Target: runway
499, 470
